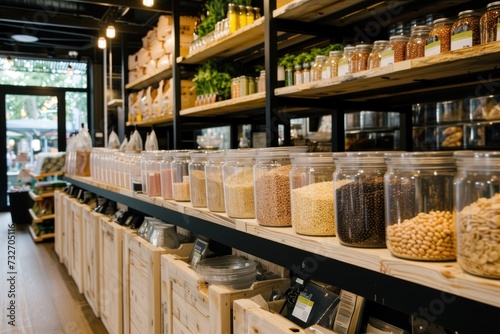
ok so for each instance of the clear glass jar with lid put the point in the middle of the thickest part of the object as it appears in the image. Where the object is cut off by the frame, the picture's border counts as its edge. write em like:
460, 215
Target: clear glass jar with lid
419, 205
232, 15
136, 173
262, 81
439, 39
152, 173
317, 69
418, 39
297, 75
180, 176
197, 179
360, 58
489, 22
306, 73
346, 60
359, 198
166, 175
465, 32
237, 173
477, 199
311, 193
250, 15
242, 16
272, 185
398, 45
214, 181
375, 57
332, 64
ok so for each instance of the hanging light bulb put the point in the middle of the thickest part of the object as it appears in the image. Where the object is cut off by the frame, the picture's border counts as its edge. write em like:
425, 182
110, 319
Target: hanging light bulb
101, 43
148, 3
110, 31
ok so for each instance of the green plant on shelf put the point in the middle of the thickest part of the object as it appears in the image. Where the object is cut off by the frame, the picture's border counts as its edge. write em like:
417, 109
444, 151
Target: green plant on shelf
213, 78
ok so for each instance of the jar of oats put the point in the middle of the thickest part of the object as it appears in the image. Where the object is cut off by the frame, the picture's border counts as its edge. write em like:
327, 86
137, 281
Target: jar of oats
180, 176
477, 202
197, 185
311, 193
213, 180
272, 185
237, 173
359, 198
419, 205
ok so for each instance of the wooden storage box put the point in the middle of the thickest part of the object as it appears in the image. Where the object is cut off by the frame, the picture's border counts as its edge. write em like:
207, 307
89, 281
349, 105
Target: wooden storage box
192, 306
76, 243
142, 283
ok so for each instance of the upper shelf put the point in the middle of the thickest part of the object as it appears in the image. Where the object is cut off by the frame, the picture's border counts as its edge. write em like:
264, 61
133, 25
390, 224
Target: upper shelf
115, 103
149, 80
244, 103
403, 77
153, 121
239, 41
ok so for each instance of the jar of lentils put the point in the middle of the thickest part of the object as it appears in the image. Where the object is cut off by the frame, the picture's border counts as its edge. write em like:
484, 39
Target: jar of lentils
439, 39
419, 205
272, 185
375, 57
311, 195
465, 31
489, 22
213, 179
237, 173
477, 199
359, 198
416, 44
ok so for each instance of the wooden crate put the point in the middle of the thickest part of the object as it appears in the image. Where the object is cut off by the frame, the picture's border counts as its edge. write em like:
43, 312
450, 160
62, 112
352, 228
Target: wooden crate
111, 273
58, 223
68, 231
142, 282
76, 243
90, 221
192, 306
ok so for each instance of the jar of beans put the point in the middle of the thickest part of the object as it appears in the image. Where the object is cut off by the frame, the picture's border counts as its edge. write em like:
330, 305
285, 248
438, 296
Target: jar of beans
272, 185
489, 22
416, 44
197, 185
419, 205
375, 56
346, 61
180, 176
363, 53
317, 68
465, 31
237, 173
398, 44
359, 198
332, 64
439, 39
214, 181
166, 175
311, 195
477, 199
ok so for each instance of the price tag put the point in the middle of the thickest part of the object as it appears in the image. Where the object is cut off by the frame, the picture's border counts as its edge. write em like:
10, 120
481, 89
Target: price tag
343, 68
387, 58
433, 48
462, 40
303, 308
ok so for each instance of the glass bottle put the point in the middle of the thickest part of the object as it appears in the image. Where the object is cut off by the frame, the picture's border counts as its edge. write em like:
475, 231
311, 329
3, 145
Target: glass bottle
242, 16
332, 64
237, 173
345, 61
317, 69
262, 81
419, 205
256, 11
477, 197
375, 57
250, 15
232, 15
289, 76
197, 179
306, 73
297, 75
416, 44
214, 181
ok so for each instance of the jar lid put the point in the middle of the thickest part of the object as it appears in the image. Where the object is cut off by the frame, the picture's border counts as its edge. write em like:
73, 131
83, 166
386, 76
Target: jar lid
359, 158
364, 46
312, 159
442, 22
237, 154
399, 38
181, 154
349, 48
321, 57
435, 159
215, 156
279, 152
492, 4
484, 160
421, 28
381, 43
467, 13
336, 53
198, 155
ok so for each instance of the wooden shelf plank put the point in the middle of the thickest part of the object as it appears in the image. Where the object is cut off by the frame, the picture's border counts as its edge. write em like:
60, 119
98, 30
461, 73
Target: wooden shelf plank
245, 103
115, 103
44, 175
40, 197
477, 59
311, 10
239, 41
38, 220
42, 237
150, 80
156, 120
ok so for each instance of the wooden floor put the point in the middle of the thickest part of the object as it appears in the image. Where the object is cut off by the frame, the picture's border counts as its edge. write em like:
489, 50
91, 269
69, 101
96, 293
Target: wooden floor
46, 297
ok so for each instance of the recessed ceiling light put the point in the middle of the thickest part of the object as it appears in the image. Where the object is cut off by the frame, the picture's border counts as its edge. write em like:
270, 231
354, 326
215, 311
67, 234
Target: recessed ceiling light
24, 38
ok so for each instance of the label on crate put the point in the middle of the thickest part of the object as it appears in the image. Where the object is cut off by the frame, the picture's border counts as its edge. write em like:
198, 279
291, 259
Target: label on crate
387, 58
303, 307
461, 40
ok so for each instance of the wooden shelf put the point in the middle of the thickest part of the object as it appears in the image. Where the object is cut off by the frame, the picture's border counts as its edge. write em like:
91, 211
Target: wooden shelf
38, 220
115, 103
40, 197
150, 80
377, 83
153, 121
44, 175
243, 39
231, 106
42, 237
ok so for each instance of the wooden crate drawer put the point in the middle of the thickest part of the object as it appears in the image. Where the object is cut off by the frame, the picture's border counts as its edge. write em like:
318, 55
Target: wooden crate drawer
142, 283
58, 227
76, 239
198, 307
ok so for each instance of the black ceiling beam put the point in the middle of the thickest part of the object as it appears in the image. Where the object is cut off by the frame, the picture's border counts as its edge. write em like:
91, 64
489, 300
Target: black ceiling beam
186, 6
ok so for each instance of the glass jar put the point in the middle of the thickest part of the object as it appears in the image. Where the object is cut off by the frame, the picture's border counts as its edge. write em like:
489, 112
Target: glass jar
232, 15
489, 23
166, 175
272, 185
317, 69
214, 181
398, 45
297, 75
152, 173
332, 64
144, 159
250, 15
360, 58
419, 205
375, 57
416, 44
136, 173
251, 85
465, 32
197, 184
306, 73
477, 198
180, 176
256, 13
289, 76
311, 193
262, 81
359, 198
242, 16
346, 60
237, 172
439, 39
235, 88
243, 85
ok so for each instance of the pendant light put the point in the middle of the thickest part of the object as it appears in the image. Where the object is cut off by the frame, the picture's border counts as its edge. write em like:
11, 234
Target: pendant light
101, 43
110, 31
148, 3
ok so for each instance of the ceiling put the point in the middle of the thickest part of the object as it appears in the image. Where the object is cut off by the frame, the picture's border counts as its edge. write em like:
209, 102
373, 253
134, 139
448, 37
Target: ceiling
62, 26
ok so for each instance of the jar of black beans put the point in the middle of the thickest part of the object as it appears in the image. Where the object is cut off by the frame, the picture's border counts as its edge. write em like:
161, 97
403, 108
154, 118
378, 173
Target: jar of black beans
359, 198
